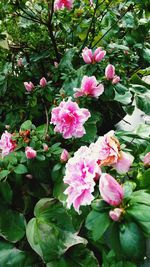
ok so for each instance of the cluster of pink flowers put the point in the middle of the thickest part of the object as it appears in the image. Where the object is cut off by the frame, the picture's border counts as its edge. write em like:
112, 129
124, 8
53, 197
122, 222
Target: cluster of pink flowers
7, 145
110, 74
61, 4
84, 168
89, 87
69, 119
29, 86
90, 58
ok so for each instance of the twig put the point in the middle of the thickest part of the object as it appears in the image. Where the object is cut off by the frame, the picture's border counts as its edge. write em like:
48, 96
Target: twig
47, 119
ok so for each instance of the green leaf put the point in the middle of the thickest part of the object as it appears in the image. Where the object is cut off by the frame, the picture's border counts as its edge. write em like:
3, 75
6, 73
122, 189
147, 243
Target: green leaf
97, 222
21, 169
139, 211
66, 61
124, 99
132, 241
51, 233
140, 196
4, 173
12, 224
143, 103
27, 125
6, 192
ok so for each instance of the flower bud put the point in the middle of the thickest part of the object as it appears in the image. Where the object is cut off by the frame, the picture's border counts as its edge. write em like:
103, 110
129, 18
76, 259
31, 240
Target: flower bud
116, 79
30, 152
111, 191
56, 64
110, 72
29, 86
115, 214
99, 54
64, 156
29, 176
45, 147
43, 82
87, 55
19, 62
146, 159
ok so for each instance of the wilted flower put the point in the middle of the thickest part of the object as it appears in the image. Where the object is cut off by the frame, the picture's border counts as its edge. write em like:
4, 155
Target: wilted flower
69, 119
80, 173
29, 86
64, 155
89, 87
7, 145
110, 190
146, 159
61, 4
90, 57
30, 152
115, 214
124, 162
43, 82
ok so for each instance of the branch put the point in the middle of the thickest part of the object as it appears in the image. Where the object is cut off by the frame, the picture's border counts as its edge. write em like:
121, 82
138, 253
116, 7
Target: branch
47, 119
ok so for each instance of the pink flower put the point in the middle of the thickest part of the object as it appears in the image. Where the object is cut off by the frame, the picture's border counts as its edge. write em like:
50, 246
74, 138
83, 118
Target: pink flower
69, 119
89, 87
7, 145
91, 2
110, 190
30, 152
124, 162
87, 55
146, 159
56, 64
80, 173
43, 82
20, 62
116, 79
45, 147
110, 72
90, 58
29, 86
115, 214
61, 4
64, 155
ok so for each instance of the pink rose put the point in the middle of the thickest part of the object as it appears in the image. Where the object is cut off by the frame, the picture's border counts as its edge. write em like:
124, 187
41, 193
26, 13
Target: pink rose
7, 145
29, 86
89, 87
115, 214
146, 159
30, 152
64, 155
110, 72
43, 82
124, 162
90, 57
61, 4
69, 119
110, 190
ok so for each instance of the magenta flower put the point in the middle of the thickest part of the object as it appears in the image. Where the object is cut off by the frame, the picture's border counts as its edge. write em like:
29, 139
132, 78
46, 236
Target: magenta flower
91, 58
43, 82
89, 87
69, 119
29, 86
110, 72
124, 162
80, 173
7, 145
146, 159
115, 214
30, 152
61, 4
64, 155
111, 191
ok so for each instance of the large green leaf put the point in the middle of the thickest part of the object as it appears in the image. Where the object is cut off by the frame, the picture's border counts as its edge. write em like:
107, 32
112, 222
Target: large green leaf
51, 233
143, 103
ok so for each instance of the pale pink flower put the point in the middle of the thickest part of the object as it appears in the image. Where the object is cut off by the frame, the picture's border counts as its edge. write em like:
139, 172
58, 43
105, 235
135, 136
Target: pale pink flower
111, 191
110, 72
43, 82
91, 58
20, 62
69, 119
30, 152
115, 214
80, 173
64, 155
29, 86
89, 87
61, 4
87, 55
146, 159
7, 145
116, 79
45, 147
124, 162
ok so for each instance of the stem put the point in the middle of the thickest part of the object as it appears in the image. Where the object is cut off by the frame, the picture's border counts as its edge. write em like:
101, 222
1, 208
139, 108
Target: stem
47, 118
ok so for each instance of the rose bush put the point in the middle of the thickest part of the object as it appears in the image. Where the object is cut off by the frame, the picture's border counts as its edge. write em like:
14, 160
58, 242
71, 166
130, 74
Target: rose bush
73, 191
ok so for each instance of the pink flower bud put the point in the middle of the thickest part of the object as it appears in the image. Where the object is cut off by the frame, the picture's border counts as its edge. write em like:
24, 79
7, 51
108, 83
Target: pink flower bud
87, 55
56, 64
29, 176
110, 72
110, 190
116, 79
115, 214
30, 152
99, 54
146, 159
45, 147
64, 156
43, 82
29, 86
19, 62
